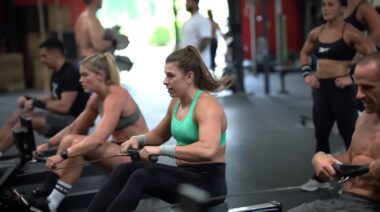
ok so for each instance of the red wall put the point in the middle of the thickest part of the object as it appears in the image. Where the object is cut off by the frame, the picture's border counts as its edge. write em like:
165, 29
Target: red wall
290, 9
70, 3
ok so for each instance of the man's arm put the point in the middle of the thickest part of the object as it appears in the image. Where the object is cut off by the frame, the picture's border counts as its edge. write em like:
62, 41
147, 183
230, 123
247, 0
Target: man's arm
322, 164
205, 31
203, 44
64, 104
96, 34
374, 169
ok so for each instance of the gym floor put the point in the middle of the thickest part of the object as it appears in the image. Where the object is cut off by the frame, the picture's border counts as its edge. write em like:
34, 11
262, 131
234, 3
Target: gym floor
268, 149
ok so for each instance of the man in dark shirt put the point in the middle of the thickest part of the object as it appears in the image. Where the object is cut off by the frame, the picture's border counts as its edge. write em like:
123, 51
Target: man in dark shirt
64, 103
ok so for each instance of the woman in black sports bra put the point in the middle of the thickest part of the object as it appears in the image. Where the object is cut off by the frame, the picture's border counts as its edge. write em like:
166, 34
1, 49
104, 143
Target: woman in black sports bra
361, 15
335, 43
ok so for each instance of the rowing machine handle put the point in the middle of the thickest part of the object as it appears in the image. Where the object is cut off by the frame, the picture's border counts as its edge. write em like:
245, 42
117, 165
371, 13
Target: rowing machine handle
135, 156
351, 170
40, 157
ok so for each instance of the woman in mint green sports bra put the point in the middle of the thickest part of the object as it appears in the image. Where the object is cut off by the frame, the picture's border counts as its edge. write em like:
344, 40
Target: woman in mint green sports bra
120, 117
197, 122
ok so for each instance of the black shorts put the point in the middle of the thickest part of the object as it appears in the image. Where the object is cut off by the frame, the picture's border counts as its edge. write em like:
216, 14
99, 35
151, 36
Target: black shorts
56, 122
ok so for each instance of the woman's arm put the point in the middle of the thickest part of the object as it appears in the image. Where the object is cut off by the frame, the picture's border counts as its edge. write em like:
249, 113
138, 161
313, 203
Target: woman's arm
372, 20
80, 124
357, 39
112, 109
159, 135
308, 46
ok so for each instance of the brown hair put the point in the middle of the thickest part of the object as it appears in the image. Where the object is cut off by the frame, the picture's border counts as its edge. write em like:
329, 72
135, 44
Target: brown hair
189, 59
103, 63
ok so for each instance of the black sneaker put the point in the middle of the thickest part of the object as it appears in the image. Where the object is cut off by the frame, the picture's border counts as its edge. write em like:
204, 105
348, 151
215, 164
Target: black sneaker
39, 205
29, 202
39, 192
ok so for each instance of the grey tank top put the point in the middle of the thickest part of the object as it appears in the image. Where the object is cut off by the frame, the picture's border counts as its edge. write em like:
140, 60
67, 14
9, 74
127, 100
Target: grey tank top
124, 121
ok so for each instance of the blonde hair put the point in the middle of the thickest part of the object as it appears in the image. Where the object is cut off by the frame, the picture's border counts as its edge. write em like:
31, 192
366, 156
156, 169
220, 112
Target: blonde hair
106, 63
189, 59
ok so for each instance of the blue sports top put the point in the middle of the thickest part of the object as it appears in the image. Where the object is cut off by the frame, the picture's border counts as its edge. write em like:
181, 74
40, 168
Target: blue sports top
186, 131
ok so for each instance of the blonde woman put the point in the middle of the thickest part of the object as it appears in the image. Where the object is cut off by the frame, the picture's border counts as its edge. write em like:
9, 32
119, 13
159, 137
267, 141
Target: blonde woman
120, 117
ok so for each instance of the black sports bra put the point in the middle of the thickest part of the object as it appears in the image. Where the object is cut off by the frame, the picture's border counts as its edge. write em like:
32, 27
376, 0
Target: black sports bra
351, 19
338, 50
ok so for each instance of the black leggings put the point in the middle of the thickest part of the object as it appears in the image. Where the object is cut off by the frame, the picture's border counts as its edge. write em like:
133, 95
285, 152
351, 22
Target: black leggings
333, 104
125, 186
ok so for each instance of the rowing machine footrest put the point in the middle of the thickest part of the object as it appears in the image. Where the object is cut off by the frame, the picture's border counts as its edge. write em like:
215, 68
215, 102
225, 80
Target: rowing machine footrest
270, 206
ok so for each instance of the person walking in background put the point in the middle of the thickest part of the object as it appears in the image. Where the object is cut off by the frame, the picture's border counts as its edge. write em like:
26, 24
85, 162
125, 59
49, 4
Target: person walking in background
214, 38
197, 32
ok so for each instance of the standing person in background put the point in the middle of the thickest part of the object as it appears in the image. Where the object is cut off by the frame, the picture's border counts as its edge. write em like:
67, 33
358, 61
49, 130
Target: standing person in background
360, 193
197, 31
89, 33
335, 43
361, 15
214, 38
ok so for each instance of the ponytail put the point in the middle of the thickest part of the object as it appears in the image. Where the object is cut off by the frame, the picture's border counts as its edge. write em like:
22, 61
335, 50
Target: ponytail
103, 63
114, 77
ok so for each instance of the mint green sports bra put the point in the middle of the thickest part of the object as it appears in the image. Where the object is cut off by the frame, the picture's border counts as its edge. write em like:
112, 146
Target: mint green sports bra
186, 131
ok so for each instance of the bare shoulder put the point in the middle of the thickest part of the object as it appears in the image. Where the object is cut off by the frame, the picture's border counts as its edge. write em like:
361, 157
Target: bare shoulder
351, 33
364, 8
363, 117
368, 15
92, 102
172, 103
313, 34
118, 94
82, 21
208, 103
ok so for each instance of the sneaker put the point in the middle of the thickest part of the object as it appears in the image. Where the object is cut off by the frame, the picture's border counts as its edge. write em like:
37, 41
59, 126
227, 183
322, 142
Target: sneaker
29, 202
313, 185
39, 192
